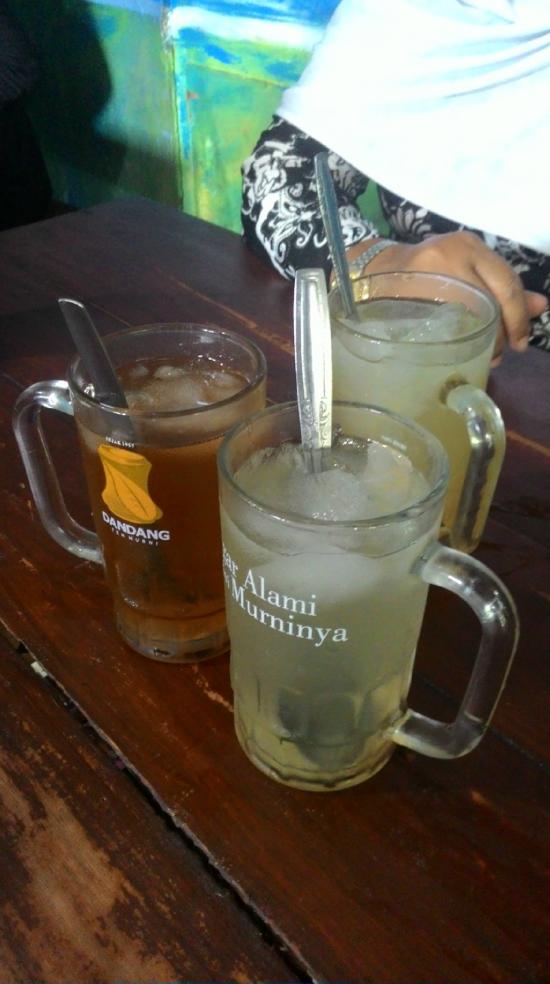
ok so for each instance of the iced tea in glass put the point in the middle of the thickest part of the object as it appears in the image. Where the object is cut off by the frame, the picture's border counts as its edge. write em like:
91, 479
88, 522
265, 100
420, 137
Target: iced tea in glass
151, 476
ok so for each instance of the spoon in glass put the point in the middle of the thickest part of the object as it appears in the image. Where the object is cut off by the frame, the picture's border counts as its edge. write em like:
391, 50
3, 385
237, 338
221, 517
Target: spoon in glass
107, 388
333, 230
98, 366
312, 343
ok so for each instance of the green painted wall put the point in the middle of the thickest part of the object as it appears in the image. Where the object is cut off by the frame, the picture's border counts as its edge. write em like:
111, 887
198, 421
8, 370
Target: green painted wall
133, 101
104, 108
223, 105
227, 92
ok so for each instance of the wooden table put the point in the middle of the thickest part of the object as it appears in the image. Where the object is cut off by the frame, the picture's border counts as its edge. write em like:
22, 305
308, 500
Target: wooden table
137, 843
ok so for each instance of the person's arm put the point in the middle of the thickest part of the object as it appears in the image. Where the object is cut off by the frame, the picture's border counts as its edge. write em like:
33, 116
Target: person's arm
282, 223
463, 254
280, 213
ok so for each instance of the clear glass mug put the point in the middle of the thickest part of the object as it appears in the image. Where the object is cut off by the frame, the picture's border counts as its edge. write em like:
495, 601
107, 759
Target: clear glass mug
441, 385
151, 477
324, 616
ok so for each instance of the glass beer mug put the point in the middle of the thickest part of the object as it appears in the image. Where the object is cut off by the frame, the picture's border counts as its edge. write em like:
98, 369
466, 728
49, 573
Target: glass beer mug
326, 580
151, 476
422, 347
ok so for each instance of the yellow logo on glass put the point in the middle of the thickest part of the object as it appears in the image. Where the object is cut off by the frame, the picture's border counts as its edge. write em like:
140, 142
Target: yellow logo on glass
126, 493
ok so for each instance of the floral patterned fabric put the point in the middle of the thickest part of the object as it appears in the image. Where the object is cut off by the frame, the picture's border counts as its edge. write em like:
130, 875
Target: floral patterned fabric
282, 221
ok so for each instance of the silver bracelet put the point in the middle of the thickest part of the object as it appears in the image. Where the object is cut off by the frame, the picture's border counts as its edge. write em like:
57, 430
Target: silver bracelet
357, 265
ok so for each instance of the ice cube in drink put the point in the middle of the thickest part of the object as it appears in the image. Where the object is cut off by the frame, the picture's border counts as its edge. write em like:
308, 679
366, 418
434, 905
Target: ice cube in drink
155, 502
404, 355
168, 386
323, 614
359, 480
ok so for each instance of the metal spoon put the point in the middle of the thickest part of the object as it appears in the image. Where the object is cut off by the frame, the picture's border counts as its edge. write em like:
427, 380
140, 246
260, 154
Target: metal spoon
327, 738
312, 343
107, 388
336, 245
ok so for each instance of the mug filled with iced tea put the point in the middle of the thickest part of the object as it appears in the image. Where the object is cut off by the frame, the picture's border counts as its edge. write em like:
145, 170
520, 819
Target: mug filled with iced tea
326, 579
151, 475
421, 345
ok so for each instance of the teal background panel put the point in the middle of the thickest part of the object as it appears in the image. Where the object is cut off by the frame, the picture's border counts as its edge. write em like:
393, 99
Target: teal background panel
104, 107
163, 99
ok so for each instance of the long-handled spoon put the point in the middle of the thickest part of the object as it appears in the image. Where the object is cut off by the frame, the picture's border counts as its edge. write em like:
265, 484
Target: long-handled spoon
99, 368
329, 739
312, 343
107, 388
336, 245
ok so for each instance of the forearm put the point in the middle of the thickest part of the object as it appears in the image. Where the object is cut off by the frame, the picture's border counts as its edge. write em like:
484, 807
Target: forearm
280, 209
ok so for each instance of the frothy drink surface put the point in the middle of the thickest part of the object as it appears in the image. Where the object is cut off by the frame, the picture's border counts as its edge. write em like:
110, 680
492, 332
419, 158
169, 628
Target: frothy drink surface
359, 480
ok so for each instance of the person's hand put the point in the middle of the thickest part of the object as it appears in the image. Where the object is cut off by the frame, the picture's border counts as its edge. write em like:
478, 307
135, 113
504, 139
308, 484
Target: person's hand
464, 255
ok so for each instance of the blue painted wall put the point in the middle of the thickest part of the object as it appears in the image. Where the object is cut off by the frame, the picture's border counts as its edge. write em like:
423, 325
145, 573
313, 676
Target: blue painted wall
163, 99
232, 61
104, 108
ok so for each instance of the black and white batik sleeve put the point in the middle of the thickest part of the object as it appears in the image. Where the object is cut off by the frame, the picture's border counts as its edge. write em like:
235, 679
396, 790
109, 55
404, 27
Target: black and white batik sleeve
280, 209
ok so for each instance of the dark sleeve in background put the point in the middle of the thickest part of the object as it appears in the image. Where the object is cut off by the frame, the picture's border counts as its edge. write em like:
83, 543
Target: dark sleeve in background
280, 211
25, 191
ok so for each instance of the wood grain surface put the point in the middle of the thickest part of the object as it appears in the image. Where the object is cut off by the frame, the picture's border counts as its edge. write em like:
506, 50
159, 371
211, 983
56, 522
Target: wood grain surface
430, 872
96, 885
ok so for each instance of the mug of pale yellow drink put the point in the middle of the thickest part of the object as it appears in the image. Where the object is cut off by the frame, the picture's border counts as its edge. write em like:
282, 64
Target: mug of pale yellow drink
421, 346
326, 578
151, 476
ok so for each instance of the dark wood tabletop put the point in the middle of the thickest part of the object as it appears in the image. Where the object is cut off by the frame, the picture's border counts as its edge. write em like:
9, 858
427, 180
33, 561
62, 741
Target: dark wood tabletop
137, 843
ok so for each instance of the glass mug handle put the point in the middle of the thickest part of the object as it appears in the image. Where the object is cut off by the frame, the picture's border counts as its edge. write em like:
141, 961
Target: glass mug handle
487, 439
49, 395
495, 609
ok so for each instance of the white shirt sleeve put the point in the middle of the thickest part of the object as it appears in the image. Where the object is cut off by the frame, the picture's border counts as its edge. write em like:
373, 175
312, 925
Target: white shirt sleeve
446, 103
